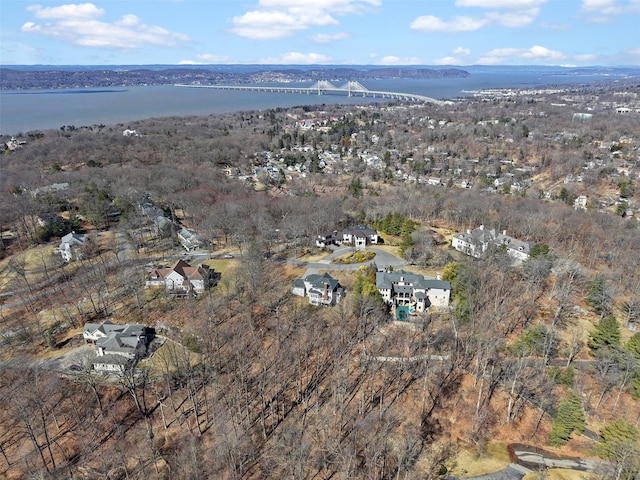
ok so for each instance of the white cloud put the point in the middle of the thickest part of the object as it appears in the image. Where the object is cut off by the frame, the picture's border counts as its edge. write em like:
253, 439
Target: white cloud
274, 19
205, 59
447, 61
508, 4
297, 58
461, 51
67, 12
518, 19
533, 54
329, 37
584, 58
610, 7
429, 23
506, 13
393, 60
80, 25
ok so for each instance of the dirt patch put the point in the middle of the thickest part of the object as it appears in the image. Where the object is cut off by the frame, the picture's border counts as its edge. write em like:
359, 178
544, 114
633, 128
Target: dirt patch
472, 461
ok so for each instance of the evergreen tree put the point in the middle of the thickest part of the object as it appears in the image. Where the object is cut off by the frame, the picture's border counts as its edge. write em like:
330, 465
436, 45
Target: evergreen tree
633, 345
606, 334
536, 340
619, 444
599, 295
568, 419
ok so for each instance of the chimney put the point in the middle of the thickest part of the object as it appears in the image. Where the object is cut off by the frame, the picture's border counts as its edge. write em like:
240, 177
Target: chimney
481, 227
438, 276
325, 295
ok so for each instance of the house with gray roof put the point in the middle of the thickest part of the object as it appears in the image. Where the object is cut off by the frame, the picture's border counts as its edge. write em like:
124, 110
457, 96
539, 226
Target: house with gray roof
118, 347
189, 239
320, 289
400, 288
479, 241
182, 279
359, 236
69, 246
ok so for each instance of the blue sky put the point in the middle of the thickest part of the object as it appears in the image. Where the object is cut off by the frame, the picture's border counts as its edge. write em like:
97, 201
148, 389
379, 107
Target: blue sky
354, 32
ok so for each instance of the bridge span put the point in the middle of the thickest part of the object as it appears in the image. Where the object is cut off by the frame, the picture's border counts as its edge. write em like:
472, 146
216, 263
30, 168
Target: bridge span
323, 87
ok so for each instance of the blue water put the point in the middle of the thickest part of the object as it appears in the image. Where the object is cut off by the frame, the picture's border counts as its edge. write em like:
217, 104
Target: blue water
25, 111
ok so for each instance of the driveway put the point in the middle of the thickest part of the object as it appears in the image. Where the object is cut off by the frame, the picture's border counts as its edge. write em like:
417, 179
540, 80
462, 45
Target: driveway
511, 472
382, 259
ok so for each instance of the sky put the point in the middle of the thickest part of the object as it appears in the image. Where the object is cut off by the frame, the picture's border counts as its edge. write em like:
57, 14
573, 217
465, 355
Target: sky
335, 32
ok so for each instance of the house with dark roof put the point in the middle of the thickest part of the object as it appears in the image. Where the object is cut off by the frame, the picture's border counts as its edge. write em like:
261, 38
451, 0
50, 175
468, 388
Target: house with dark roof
320, 289
359, 236
118, 347
181, 279
477, 242
400, 288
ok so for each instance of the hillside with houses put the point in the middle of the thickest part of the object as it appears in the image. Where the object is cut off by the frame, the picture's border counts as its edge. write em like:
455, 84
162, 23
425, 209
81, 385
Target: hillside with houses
383, 291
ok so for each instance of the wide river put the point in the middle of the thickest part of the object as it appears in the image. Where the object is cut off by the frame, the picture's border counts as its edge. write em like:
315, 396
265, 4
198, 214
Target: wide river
28, 110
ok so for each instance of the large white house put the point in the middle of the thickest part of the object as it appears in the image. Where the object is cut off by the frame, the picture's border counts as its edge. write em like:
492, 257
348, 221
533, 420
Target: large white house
69, 246
477, 242
400, 288
181, 278
118, 347
320, 289
359, 237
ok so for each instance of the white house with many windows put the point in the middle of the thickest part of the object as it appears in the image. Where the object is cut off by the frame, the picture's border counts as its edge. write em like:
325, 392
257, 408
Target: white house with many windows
477, 242
118, 347
181, 278
400, 288
320, 289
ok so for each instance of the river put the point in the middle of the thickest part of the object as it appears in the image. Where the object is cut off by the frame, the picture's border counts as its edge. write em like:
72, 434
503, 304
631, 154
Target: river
30, 110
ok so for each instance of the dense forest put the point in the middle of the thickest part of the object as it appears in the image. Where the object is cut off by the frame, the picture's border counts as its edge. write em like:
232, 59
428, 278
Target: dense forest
248, 381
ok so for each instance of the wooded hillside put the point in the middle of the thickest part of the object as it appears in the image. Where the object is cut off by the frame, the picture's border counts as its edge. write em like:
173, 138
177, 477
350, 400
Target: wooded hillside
248, 381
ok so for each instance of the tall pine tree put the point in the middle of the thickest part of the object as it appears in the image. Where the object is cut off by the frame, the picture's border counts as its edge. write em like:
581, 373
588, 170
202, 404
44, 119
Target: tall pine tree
606, 334
568, 419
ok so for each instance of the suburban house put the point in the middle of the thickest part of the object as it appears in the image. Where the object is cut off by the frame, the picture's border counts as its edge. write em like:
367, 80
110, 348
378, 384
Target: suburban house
188, 239
400, 288
359, 237
478, 241
118, 347
48, 218
69, 246
181, 279
320, 289
325, 239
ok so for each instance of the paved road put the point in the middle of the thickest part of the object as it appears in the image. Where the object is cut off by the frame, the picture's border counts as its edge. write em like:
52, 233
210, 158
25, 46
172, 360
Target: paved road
511, 472
535, 458
382, 259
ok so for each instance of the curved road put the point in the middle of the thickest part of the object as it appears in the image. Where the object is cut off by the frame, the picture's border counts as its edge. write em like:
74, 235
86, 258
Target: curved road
382, 259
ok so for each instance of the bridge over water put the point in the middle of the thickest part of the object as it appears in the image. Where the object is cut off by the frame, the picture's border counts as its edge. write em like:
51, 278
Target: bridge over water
324, 87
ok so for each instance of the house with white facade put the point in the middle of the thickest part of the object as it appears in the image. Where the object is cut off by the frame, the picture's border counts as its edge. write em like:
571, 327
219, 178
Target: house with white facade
118, 347
181, 279
477, 242
400, 288
69, 247
319, 289
359, 236
189, 239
